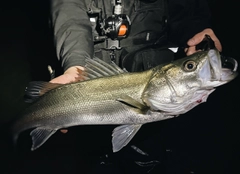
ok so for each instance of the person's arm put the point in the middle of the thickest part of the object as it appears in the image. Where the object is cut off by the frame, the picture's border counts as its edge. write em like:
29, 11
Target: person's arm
72, 36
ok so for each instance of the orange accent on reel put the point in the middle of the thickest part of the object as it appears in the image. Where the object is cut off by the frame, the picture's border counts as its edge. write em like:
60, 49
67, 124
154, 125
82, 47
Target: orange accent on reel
122, 30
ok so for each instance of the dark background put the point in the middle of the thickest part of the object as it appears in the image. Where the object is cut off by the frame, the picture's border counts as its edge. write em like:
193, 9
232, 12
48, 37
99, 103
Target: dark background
205, 140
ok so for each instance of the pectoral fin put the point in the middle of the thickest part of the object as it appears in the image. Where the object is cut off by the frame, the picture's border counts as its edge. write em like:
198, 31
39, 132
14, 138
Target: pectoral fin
122, 135
40, 136
132, 102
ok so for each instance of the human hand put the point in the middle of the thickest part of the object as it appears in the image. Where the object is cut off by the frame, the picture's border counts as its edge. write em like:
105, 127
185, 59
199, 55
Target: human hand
72, 74
195, 40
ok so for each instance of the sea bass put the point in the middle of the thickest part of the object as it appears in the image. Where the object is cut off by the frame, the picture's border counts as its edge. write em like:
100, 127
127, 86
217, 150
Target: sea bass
112, 96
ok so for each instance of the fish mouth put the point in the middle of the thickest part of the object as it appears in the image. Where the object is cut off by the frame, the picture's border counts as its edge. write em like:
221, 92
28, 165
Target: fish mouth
218, 70
229, 66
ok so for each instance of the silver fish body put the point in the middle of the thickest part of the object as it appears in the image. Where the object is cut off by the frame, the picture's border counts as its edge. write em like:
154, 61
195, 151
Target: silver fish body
112, 96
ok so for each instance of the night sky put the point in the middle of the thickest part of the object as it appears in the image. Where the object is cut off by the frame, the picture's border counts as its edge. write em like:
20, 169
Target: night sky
205, 140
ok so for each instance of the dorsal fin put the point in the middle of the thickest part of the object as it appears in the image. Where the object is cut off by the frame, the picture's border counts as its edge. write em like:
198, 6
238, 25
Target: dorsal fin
35, 89
98, 68
94, 68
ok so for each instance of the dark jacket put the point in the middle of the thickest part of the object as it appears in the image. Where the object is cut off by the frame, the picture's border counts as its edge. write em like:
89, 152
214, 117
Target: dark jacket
74, 35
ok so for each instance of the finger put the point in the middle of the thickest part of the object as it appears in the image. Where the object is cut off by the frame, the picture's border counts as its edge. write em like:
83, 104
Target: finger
196, 39
60, 79
218, 45
190, 50
64, 131
216, 41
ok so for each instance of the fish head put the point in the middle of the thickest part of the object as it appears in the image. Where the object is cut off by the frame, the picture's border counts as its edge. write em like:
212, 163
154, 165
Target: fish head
177, 87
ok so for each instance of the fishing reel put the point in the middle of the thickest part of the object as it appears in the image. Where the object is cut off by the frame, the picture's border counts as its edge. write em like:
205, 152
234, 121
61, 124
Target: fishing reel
113, 28
116, 27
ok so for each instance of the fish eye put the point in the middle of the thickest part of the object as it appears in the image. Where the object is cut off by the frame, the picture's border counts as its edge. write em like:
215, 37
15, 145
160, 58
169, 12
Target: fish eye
190, 65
